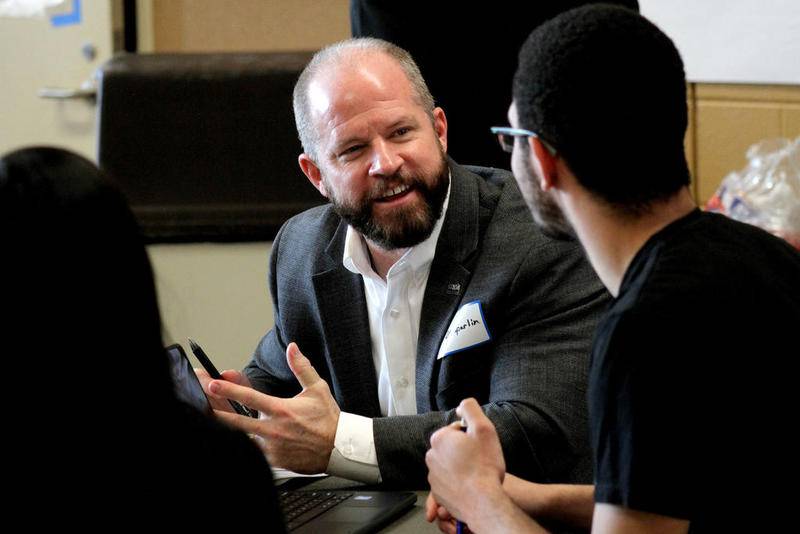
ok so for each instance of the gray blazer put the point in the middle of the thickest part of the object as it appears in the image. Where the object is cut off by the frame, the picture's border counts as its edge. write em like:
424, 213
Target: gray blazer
540, 299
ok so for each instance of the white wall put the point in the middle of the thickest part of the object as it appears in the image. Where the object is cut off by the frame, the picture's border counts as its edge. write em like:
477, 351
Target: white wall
216, 294
732, 41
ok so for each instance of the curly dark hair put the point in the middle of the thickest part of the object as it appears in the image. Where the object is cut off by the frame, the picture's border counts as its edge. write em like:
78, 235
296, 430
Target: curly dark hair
607, 88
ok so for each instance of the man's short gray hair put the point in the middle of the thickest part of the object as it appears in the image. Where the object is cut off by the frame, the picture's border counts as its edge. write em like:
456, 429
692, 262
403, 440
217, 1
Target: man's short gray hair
338, 52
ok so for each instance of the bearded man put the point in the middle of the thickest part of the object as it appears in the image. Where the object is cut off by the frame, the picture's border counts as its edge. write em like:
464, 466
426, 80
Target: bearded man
411, 290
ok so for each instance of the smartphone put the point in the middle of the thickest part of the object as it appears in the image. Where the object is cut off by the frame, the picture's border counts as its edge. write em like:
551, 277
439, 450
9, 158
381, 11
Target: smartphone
187, 385
205, 361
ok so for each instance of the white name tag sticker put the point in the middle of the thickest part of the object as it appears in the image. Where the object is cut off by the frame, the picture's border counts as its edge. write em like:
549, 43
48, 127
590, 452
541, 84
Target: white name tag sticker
467, 329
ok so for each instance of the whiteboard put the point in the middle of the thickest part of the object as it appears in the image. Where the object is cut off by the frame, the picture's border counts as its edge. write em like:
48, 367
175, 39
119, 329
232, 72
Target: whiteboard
732, 41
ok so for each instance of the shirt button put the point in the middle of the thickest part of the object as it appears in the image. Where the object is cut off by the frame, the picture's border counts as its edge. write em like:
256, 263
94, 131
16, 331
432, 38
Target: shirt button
402, 383
394, 312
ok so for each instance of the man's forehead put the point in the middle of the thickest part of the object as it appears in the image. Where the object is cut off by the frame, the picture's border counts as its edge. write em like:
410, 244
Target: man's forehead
365, 77
348, 108
318, 98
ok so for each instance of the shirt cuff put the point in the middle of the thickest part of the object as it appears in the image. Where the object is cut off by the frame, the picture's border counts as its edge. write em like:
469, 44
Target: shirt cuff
353, 456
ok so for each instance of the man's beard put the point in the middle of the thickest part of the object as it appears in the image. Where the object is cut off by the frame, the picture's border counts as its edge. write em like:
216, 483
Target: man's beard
546, 213
406, 226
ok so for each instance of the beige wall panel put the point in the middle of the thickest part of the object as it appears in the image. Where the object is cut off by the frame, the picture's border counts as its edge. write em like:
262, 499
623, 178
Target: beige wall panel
216, 293
724, 132
247, 25
690, 137
790, 124
748, 93
730, 118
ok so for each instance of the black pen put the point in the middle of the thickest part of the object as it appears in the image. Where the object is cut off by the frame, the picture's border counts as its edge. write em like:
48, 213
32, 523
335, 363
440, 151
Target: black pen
205, 361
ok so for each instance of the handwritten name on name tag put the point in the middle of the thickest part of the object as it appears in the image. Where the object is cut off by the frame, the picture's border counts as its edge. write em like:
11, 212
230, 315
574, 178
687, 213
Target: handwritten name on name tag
467, 329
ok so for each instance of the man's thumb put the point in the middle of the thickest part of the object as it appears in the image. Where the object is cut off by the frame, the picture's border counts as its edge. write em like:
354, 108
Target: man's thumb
301, 366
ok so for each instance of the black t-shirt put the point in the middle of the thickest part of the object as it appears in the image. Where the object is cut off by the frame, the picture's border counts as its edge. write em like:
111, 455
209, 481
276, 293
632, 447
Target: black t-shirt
690, 388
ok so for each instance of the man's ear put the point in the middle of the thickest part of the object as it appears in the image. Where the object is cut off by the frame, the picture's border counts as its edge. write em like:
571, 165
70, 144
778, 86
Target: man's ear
311, 171
440, 127
545, 163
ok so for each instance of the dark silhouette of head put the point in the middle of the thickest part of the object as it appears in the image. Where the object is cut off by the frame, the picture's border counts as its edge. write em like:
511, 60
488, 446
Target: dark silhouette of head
79, 278
96, 424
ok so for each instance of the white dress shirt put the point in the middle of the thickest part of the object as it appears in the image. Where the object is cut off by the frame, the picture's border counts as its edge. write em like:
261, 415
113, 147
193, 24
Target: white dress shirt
394, 307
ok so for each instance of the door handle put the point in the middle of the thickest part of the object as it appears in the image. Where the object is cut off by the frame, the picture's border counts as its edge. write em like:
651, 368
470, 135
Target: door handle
86, 91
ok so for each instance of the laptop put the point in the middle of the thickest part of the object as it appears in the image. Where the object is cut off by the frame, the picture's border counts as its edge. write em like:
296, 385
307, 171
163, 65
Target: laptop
331, 511
341, 511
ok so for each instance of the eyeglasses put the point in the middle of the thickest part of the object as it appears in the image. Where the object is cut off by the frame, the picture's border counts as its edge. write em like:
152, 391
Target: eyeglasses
505, 136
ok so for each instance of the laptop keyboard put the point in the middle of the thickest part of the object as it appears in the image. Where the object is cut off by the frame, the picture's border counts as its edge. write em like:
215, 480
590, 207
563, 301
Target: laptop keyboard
300, 507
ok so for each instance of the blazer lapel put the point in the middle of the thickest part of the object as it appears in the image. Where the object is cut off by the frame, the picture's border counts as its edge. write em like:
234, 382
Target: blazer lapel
447, 280
343, 312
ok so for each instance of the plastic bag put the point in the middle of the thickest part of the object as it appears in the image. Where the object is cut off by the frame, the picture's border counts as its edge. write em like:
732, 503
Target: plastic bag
766, 193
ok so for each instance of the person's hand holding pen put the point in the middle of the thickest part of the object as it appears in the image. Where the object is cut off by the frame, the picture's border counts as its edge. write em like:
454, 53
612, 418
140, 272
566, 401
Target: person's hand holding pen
297, 433
446, 522
465, 470
210, 373
230, 375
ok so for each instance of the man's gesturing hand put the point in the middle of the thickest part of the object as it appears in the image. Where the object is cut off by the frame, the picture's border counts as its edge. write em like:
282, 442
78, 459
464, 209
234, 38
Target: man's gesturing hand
297, 433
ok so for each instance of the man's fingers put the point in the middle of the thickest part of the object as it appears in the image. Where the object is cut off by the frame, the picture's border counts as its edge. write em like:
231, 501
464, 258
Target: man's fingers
301, 366
247, 425
202, 376
436, 440
443, 514
470, 411
216, 403
431, 507
237, 377
433, 510
448, 526
245, 395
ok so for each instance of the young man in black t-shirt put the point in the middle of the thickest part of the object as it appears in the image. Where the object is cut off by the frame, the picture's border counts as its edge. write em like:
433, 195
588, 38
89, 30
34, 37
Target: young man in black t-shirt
690, 388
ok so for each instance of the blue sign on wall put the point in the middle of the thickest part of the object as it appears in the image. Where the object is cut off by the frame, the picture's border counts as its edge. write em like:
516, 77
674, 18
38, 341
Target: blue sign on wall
68, 19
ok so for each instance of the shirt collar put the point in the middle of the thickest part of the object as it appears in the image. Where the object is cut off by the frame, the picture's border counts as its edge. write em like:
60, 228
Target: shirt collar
417, 258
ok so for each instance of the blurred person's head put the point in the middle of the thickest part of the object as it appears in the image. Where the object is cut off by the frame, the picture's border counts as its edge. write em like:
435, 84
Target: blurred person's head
90, 395
80, 282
